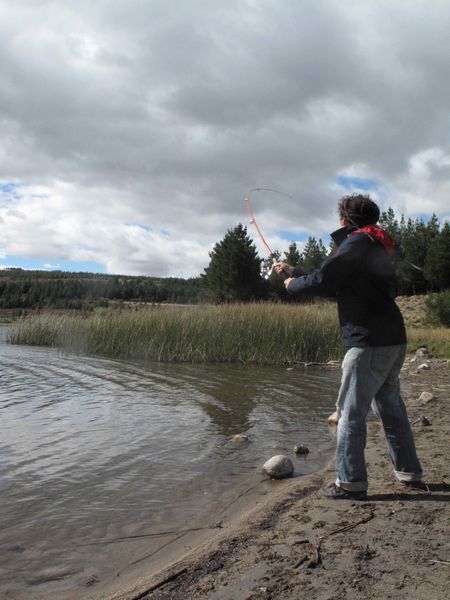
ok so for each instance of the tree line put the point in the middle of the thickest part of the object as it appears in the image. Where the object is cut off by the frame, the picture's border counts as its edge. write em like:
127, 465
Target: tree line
56, 289
235, 272
421, 256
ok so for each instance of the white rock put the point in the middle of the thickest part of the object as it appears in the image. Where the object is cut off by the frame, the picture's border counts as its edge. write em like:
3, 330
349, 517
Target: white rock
423, 367
279, 467
333, 419
426, 397
240, 438
422, 351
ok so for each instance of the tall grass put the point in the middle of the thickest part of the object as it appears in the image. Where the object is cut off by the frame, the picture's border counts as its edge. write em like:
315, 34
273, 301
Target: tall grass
436, 339
248, 333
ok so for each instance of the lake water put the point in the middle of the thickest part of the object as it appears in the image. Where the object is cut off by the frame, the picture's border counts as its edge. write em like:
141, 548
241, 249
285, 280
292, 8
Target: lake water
95, 453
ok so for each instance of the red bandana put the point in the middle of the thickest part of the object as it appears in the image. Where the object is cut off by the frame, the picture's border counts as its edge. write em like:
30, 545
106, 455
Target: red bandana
376, 233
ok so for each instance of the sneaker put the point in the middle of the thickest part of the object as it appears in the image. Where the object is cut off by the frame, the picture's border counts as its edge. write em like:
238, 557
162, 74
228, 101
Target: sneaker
335, 492
414, 485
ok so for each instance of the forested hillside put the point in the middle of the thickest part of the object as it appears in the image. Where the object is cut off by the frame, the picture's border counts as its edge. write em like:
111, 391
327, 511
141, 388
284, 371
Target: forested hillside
57, 289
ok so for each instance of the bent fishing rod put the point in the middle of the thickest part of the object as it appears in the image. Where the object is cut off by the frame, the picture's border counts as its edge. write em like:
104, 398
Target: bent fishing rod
255, 224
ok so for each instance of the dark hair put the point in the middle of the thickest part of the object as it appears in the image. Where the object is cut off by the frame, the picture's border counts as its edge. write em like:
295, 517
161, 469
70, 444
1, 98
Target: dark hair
358, 209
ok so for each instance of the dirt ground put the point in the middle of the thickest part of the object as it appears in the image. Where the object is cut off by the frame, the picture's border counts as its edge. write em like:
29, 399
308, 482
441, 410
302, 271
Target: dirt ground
300, 545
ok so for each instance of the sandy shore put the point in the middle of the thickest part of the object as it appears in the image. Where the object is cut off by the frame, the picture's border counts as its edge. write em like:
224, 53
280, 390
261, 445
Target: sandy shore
292, 543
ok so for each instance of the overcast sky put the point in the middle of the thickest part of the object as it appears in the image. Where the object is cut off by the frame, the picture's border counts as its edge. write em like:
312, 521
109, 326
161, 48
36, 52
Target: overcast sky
131, 130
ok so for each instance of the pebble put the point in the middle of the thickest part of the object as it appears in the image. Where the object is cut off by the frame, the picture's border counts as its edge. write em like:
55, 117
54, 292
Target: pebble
426, 397
421, 352
279, 467
333, 419
303, 450
423, 367
239, 438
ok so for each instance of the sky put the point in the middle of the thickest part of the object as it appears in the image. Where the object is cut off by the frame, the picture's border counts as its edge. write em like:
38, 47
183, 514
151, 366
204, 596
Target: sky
132, 130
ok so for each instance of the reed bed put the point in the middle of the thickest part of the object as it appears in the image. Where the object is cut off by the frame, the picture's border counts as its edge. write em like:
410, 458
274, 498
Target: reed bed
436, 339
248, 333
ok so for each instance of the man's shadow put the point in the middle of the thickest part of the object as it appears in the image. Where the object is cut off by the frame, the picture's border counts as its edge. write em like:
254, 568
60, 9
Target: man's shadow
432, 492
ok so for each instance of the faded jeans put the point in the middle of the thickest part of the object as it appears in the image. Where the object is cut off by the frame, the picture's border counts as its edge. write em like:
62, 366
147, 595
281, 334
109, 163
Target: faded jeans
370, 376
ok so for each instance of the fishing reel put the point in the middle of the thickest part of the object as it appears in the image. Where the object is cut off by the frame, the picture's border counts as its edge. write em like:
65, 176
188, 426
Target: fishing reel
267, 265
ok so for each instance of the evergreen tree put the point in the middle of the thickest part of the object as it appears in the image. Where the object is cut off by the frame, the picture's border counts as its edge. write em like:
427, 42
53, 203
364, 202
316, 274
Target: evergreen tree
292, 256
389, 223
332, 247
432, 228
234, 270
313, 254
410, 264
437, 262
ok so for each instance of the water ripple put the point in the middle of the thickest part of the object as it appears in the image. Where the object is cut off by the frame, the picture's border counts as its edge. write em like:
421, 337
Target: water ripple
93, 449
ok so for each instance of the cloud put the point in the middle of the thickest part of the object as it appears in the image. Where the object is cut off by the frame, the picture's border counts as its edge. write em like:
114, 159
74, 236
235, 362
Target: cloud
164, 114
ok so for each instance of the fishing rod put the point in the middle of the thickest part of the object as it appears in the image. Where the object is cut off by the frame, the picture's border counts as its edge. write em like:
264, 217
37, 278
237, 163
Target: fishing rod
255, 224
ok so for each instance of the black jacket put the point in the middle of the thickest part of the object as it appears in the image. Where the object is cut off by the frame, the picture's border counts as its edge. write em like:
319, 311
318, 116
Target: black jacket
361, 276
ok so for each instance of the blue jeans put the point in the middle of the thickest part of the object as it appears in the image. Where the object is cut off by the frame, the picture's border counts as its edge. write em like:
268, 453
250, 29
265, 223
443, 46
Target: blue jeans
370, 376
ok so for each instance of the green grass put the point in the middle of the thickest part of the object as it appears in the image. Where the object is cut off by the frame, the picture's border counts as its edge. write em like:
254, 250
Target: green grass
248, 333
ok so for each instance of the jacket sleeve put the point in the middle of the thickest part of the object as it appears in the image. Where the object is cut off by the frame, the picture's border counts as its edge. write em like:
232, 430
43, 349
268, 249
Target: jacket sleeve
334, 273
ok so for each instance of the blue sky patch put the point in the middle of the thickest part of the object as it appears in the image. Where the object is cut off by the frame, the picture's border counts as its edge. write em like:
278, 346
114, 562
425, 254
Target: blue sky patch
358, 183
51, 264
149, 229
10, 191
292, 236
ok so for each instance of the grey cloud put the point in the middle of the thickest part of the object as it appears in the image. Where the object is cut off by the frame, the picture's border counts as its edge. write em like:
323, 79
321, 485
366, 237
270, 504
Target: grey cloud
166, 113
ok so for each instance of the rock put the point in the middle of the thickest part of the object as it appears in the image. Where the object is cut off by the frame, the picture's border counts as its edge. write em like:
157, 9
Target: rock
290, 369
240, 438
421, 352
302, 450
423, 367
279, 467
426, 397
333, 419
424, 422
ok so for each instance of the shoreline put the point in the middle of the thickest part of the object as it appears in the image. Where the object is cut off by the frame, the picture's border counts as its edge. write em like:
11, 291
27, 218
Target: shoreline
250, 510
288, 540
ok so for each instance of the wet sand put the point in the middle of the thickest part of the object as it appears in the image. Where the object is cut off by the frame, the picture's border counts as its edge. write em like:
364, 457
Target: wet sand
281, 540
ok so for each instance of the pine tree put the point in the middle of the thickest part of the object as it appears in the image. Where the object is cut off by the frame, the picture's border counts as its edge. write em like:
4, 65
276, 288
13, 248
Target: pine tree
313, 254
233, 273
432, 228
414, 245
389, 223
437, 262
292, 256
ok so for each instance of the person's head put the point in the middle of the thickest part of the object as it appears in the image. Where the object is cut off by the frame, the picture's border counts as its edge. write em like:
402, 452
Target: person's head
358, 209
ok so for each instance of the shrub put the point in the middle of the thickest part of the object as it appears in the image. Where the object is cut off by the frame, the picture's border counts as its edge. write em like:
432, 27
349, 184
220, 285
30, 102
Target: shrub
438, 308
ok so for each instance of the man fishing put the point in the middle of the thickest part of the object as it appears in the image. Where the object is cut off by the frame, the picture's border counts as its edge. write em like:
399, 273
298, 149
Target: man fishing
361, 276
